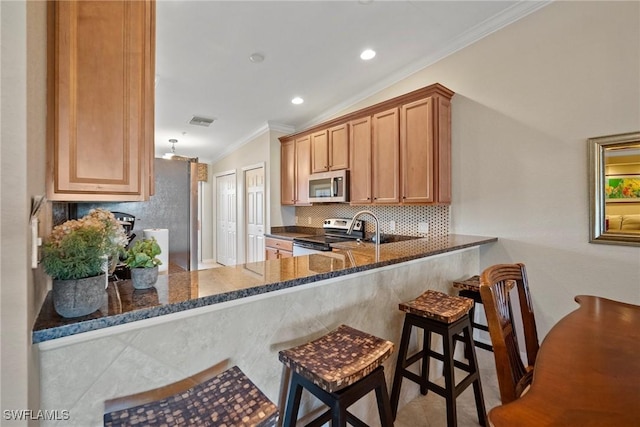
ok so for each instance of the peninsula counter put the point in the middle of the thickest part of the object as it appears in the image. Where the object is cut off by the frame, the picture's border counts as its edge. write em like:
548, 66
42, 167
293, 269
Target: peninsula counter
242, 315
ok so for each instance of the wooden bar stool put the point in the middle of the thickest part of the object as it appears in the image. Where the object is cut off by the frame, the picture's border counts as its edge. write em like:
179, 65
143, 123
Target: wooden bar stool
338, 368
208, 398
470, 288
447, 316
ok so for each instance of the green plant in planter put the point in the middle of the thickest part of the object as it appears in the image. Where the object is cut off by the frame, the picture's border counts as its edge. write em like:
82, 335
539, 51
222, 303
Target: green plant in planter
80, 248
143, 254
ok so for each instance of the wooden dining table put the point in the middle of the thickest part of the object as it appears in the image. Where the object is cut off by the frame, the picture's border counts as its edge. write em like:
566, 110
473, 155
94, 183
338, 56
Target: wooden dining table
587, 372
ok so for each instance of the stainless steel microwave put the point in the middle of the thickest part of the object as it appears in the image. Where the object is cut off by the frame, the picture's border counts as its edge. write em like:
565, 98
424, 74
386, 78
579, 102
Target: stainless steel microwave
329, 187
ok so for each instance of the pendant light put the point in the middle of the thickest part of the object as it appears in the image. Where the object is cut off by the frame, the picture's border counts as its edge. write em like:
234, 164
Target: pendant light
170, 155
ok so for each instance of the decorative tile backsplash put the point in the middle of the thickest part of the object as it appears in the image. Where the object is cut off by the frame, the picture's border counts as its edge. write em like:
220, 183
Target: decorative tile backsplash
406, 217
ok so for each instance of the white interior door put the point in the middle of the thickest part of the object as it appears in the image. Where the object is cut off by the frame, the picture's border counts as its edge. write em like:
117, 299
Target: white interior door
255, 214
226, 219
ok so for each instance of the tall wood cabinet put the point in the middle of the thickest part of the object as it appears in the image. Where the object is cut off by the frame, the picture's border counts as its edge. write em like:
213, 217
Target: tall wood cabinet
386, 157
360, 176
295, 167
288, 173
303, 169
100, 100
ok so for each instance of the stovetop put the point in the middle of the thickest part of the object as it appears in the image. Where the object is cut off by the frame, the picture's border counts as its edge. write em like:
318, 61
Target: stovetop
335, 230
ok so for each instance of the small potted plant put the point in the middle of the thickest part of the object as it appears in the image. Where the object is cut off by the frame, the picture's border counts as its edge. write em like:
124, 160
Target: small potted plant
143, 262
76, 256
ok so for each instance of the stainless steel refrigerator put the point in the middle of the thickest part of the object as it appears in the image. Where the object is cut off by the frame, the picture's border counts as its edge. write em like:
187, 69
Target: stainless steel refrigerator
174, 206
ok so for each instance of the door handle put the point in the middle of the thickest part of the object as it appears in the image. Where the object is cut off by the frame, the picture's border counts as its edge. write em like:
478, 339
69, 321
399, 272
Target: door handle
335, 187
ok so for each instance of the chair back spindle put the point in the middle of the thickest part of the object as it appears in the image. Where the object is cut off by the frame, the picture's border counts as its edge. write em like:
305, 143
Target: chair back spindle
496, 283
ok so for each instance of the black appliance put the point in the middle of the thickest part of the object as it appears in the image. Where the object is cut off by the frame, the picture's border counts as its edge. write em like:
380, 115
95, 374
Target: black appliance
335, 230
127, 221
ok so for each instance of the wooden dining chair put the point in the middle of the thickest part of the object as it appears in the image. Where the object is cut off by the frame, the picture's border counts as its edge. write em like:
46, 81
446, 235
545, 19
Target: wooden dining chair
495, 283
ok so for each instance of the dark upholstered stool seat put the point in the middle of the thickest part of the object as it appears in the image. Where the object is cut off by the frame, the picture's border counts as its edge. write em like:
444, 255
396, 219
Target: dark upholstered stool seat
471, 284
339, 358
447, 316
438, 306
470, 288
338, 368
229, 398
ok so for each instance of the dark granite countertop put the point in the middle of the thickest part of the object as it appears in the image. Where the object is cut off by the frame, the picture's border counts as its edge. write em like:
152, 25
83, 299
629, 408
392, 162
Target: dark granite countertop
188, 290
288, 235
291, 232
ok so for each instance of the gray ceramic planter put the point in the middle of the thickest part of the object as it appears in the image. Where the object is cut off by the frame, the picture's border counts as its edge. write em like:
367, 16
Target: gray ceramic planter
144, 278
76, 298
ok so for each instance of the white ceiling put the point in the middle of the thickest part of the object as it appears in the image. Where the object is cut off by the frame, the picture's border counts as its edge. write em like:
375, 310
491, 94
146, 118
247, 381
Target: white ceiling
311, 50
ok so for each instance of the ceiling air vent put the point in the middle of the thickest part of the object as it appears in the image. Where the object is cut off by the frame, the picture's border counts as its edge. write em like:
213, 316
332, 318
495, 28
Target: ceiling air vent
201, 121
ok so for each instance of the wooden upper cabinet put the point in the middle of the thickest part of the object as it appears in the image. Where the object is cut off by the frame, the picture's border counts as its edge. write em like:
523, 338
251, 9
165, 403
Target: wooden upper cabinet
288, 173
320, 151
425, 147
303, 169
398, 151
101, 100
360, 175
339, 147
330, 149
386, 157
417, 151
443, 150
295, 168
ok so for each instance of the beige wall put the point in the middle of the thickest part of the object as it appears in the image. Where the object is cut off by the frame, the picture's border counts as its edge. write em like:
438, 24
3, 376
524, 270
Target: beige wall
22, 157
527, 99
263, 149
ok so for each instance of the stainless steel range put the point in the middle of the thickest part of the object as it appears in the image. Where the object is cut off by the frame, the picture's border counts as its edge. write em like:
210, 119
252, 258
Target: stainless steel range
335, 230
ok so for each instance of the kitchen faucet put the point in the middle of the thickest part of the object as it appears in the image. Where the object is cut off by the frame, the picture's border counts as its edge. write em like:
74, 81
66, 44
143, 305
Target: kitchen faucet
377, 235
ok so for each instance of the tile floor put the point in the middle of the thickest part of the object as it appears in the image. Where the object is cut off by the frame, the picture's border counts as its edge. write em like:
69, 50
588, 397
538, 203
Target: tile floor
430, 410
206, 264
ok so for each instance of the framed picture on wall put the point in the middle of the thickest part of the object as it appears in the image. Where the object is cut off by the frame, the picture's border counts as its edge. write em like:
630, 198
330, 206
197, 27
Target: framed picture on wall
622, 188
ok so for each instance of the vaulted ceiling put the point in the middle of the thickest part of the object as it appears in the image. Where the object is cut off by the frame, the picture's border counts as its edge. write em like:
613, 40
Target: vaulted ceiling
310, 49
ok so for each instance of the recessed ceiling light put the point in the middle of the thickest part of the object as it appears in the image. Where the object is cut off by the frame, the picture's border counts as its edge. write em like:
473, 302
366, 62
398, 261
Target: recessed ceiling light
297, 100
256, 57
367, 54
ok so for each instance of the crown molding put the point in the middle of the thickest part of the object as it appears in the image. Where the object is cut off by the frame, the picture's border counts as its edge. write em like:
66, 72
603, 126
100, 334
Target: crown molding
474, 34
266, 127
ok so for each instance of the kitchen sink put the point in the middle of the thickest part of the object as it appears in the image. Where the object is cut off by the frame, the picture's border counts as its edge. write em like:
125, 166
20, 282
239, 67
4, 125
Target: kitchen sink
392, 238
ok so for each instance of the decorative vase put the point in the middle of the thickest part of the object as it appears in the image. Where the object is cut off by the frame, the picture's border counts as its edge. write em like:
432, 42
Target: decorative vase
79, 297
144, 278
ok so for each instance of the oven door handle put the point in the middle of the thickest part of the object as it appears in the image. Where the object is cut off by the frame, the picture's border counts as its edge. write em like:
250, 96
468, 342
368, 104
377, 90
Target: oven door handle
334, 185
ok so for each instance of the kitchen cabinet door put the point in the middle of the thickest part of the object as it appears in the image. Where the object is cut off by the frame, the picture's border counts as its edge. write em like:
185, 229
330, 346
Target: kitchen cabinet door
288, 173
319, 152
360, 171
278, 248
386, 157
271, 254
417, 151
443, 150
101, 100
425, 143
339, 147
295, 168
303, 169
330, 149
